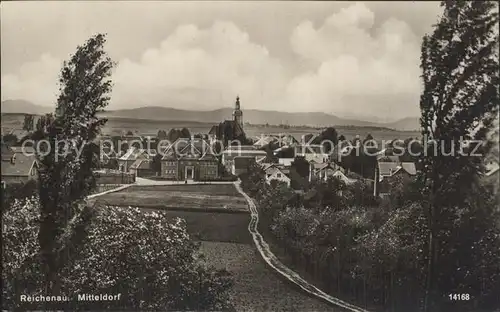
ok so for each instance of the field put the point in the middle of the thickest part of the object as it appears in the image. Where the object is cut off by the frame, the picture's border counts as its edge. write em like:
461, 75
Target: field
117, 126
256, 287
220, 197
215, 226
202, 206
225, 242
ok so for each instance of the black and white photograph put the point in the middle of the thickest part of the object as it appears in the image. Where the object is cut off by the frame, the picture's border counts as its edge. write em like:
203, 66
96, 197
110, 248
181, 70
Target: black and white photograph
250, 156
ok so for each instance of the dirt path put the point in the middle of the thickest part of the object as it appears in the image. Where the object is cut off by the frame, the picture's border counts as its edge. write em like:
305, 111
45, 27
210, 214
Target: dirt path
279, 267
256, 287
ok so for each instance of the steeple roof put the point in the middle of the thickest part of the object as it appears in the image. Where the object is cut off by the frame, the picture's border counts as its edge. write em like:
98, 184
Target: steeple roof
237, 103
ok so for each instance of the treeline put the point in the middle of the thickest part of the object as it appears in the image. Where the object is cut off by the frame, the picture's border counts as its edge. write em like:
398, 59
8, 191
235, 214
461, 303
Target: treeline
368, 252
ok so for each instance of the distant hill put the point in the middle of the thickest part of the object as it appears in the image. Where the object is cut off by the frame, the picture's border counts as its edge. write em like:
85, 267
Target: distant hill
405, 124
254, 116
24, 107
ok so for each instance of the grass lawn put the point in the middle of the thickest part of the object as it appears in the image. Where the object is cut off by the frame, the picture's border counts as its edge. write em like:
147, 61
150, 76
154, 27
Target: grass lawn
215, 226
185, 197
257, 287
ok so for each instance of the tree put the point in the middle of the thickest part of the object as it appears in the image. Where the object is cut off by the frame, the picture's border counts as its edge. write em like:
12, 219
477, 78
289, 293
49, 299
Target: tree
368, 138
66, 178
42, 125
327, 138
10, 139
156, 163
329, 134
301, 166
184, 133
459, 63
308, 137
124, 147
173, 135
28, 123
112, 164
285, 152
162, 135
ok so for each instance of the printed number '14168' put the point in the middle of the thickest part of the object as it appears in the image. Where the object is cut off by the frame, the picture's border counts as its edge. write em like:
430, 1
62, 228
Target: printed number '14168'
459, 297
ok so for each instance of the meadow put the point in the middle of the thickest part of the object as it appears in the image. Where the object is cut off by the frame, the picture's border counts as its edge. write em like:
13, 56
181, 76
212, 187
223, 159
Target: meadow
220, 197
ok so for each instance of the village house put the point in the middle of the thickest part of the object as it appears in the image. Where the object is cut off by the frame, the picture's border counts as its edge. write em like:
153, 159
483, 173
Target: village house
132, 154
389, 172
312, 152
190, 159
277, 173
18, 165
324, 171
263, 141
286, 162
241, 164
131, 141
107, 154
229, 130
267, 160
142, 168
232, 152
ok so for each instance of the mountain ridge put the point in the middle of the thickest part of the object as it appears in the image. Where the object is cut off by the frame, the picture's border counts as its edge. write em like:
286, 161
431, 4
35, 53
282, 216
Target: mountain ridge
253, 116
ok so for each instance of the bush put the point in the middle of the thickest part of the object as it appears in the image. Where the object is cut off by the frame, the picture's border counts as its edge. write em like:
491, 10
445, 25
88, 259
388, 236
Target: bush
19, 190
230, 178
147, 258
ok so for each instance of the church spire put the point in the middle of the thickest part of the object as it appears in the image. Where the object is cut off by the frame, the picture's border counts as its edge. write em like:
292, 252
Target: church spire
237, 113
237, 104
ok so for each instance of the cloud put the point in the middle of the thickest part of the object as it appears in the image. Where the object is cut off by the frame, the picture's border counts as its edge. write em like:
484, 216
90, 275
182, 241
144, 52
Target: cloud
35, 81
351, 63
353, 60
220, 60
202, 67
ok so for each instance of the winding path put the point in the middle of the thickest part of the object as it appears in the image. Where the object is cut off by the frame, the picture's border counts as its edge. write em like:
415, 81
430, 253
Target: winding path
279, 267
110, 191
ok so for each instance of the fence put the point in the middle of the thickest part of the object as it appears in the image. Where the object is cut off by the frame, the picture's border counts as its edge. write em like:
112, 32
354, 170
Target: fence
105, 187
114, 177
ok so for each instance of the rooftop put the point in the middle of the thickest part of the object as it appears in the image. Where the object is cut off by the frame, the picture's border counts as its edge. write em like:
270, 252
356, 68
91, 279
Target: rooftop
141, 164
20, 167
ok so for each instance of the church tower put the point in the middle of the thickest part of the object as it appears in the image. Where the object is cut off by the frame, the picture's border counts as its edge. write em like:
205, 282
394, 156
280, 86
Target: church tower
237, 113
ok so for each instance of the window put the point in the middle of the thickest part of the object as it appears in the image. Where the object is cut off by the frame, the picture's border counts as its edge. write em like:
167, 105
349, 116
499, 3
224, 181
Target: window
278, 175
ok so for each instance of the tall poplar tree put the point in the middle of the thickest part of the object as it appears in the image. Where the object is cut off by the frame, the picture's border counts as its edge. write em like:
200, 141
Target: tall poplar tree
66, 177
459, 63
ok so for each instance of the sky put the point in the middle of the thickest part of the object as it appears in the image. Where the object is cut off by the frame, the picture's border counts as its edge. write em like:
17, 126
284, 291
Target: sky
345, 58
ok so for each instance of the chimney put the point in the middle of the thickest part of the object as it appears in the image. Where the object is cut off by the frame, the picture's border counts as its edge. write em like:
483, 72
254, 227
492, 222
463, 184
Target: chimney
13, 159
